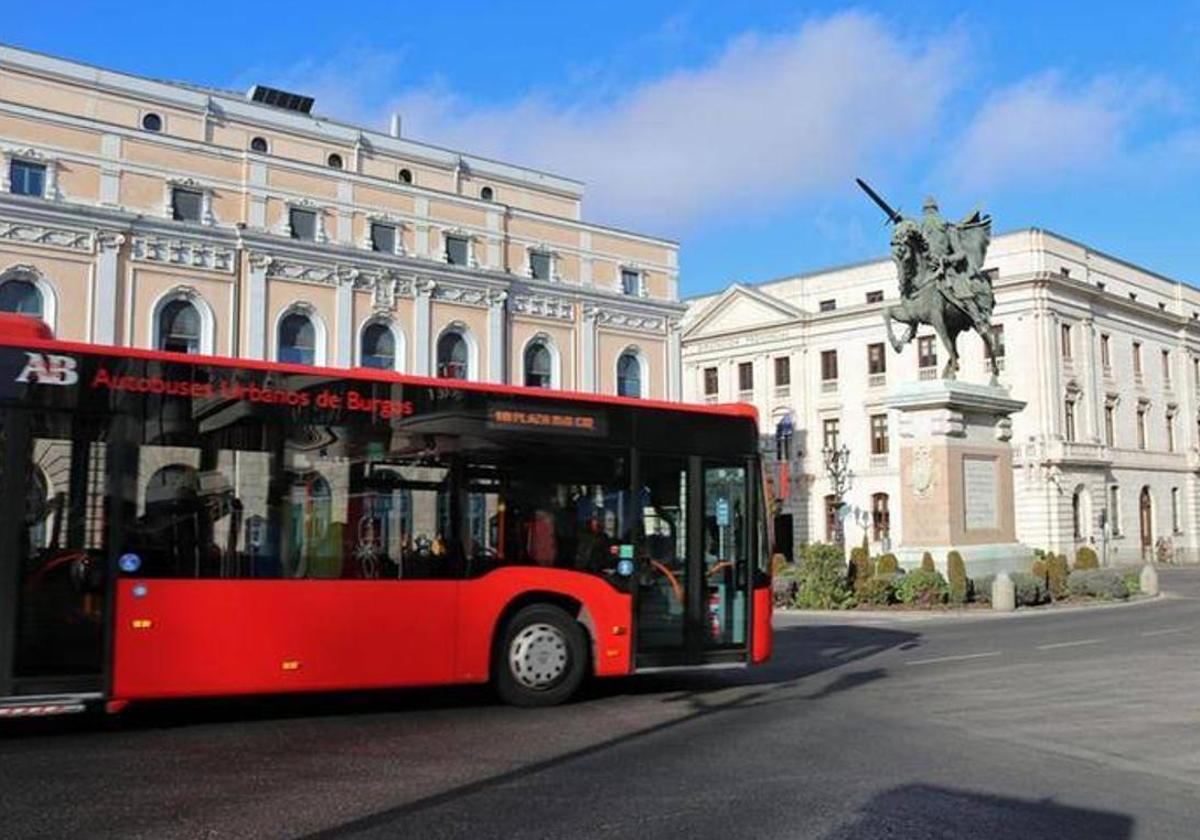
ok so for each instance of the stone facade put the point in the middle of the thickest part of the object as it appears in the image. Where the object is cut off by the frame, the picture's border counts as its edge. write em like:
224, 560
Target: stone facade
120, 196
1106, 356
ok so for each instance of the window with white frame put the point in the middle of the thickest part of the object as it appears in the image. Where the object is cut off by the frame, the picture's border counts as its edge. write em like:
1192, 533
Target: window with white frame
383, 238
1175, 529
453, 356
302, 224
539, 365
21, 295
458, 249
629, 375
540, 264
26, 178
179, 327
711, 381
297, 339
377, 347
631, 282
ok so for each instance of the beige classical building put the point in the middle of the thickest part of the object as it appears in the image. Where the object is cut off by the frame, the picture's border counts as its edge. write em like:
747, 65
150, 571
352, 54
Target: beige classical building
1105, 354
152, 214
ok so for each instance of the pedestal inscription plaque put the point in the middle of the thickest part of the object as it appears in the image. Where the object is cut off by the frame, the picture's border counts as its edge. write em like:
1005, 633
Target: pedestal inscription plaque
979, 493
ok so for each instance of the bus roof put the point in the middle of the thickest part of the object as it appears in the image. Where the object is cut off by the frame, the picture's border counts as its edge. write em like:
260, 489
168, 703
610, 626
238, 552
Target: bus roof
29, 331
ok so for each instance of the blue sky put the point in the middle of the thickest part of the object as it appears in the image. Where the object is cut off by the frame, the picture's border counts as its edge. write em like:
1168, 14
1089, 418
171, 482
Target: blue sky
737, 128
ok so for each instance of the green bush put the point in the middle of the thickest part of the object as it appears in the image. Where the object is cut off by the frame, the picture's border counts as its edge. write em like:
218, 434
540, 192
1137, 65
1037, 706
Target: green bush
1133, 579
1105, 584
956, 575
1056, 576
922, 588
927, 563
1029, 591
821, 578
887, 565
981, 589
879, 591
1085, 558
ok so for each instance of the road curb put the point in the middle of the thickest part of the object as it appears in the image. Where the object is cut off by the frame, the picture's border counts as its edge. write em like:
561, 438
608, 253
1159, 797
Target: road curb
904, 616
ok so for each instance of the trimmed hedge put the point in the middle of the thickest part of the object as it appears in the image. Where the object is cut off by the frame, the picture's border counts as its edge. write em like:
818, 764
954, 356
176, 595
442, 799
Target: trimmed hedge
1105, 584
887, 565
1085, 558
922, 588
879, 591
1057, 571
861, 569
956, 574
927, 563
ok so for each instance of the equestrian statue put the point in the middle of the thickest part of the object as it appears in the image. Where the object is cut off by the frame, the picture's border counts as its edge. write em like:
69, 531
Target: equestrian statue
942, 282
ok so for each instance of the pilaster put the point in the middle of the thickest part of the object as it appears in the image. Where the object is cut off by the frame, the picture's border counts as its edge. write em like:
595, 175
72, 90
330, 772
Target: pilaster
104, 306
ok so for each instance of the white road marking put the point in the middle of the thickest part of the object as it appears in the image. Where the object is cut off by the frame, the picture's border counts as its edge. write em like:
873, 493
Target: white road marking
1070, 644
953, 658
1165, 631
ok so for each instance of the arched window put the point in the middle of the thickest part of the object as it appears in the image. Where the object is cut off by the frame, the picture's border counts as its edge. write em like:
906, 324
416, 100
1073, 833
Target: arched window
452, 356
334, 161
179, 327
378, 348
629, 375
152, 122
310, 550
406, 176
20, 296
297, 339
539, 365
259, 144
487, 193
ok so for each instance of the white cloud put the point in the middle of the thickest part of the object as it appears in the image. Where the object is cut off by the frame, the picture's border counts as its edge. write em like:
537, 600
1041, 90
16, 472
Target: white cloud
1042, 129
772, 118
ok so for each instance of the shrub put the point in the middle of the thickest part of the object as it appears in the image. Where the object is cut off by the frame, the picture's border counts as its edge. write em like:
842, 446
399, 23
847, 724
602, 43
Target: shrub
1106, 584
927, 563
981, 589
922, 588
778, 564
1056, 576
887, 565
879, 591
861, 569
1133, 579
821, 578
956, 574
1029, 591
1038, 569
1085, 558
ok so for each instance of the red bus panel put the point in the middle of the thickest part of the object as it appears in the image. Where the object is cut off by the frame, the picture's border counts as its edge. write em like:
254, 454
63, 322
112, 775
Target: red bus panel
763, 635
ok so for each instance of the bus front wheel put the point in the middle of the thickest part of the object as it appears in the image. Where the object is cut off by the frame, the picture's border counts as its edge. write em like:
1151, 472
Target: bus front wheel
541, 657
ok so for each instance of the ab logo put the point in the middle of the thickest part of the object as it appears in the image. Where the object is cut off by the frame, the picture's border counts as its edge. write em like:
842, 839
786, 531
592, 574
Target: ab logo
49, 369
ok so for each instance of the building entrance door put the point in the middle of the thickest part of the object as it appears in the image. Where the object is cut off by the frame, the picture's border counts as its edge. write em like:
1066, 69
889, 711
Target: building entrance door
1146, 520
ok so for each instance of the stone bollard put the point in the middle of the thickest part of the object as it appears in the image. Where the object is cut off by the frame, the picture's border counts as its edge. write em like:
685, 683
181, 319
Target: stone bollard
1148, 580
1004, 594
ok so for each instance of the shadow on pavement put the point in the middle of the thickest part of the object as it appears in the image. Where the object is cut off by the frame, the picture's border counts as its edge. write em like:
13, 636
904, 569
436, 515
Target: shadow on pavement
940, 813
800, 652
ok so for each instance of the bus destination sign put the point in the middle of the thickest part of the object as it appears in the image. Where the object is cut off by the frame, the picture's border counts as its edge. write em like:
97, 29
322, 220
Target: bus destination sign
566, 421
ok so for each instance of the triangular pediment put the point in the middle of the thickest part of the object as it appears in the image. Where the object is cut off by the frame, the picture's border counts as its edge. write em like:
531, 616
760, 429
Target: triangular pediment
739, 308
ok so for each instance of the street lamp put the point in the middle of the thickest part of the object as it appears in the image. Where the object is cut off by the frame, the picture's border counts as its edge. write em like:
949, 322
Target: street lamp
837, 467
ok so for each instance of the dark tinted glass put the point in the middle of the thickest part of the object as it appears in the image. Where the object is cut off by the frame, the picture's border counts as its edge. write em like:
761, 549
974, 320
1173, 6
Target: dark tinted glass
456, 250
297, 340
26, 178
179, 328
539, 265
303, 224
186, 205
383, 238
378, 347
20, 296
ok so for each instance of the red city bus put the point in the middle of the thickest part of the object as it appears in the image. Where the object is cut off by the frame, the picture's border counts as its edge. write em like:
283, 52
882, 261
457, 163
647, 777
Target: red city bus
180, 526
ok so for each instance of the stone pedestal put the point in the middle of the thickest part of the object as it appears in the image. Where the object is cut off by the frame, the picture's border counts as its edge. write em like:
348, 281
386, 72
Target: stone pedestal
956, 476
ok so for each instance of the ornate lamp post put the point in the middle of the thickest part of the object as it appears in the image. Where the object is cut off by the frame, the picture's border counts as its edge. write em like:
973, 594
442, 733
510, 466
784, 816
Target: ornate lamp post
837, 467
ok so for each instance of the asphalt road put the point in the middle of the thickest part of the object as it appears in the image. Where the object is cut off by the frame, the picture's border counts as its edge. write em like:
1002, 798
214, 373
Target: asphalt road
1067, 724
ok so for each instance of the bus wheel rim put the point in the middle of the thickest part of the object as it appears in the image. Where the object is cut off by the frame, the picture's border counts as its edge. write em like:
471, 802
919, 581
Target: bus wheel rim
538, 656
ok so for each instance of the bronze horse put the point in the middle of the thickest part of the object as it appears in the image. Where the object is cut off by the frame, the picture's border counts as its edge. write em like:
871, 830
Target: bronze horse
924, 300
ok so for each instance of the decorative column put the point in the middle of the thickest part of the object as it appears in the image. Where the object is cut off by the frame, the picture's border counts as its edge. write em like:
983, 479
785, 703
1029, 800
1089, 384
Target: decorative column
674, 360
422, 309
256, 306
104, 309
344, 347
956, 475
587, 354
497, 335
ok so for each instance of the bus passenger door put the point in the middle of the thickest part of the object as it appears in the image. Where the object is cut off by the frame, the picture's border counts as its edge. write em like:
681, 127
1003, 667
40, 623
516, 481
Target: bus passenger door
693, 575
52, 557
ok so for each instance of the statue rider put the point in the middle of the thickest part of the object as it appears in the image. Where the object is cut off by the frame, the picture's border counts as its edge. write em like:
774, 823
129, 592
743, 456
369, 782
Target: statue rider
953, 272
